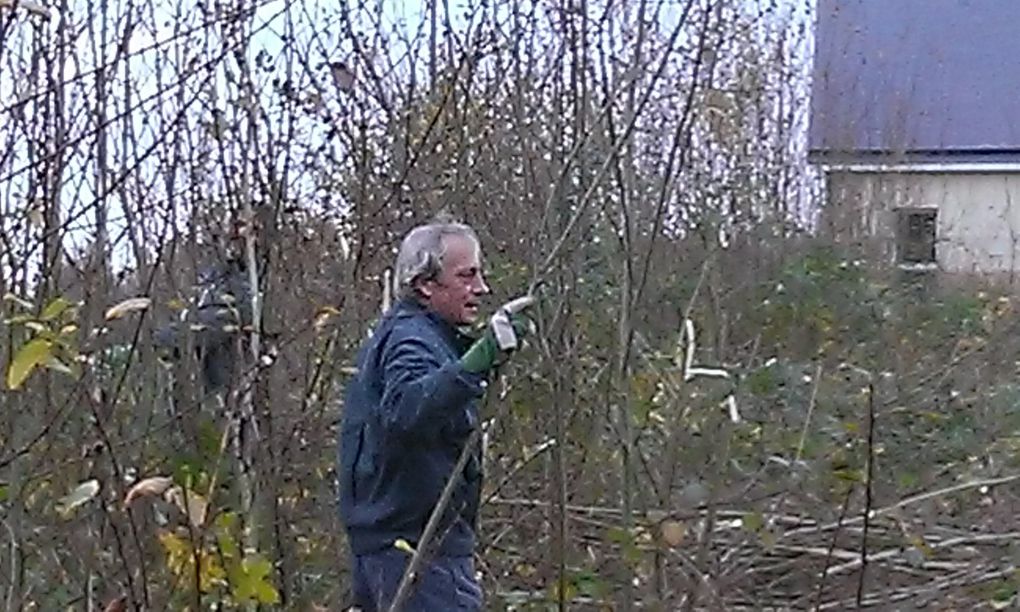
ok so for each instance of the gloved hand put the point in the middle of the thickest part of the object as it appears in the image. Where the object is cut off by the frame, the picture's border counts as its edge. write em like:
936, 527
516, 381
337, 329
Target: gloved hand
501, 337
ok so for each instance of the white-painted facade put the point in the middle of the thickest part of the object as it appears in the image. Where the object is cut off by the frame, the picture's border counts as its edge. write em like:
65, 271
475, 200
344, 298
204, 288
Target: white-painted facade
974, 211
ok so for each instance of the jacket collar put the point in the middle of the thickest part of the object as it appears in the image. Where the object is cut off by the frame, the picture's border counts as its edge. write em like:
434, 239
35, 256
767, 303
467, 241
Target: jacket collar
410, 307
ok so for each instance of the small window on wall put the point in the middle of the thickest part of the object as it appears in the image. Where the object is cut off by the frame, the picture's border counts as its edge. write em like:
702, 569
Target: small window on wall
915, 236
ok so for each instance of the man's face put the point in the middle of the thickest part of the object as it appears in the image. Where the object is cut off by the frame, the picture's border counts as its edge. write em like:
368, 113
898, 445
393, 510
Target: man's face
456, 293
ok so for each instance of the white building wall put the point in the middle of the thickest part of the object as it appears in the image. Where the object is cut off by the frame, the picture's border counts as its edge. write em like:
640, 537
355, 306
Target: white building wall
978, 219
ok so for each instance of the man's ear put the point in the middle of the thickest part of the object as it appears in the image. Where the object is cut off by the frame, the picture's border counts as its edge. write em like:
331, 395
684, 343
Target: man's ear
425, 289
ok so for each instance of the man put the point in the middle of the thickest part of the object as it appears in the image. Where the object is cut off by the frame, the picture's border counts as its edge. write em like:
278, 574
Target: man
408, 414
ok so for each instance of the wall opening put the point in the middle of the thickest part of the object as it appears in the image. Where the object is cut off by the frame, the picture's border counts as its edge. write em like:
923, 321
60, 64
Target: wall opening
915, 236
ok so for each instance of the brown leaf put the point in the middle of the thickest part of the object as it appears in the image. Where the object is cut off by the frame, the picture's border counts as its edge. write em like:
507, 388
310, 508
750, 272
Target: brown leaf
129, 305
343, 77
193, 505
323, 315
673, 532
117, 605
32, 7
157, 485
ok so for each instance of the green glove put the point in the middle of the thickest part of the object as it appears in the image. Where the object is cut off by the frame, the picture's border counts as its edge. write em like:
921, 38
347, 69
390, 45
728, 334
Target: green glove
501, 337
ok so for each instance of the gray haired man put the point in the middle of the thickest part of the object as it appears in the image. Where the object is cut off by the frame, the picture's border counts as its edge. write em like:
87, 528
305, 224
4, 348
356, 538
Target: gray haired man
408, 414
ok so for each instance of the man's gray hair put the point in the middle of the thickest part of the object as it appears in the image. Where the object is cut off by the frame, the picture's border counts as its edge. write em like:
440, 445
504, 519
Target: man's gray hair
421, 254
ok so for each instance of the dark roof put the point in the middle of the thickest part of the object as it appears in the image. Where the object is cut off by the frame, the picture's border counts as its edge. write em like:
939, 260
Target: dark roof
917, 77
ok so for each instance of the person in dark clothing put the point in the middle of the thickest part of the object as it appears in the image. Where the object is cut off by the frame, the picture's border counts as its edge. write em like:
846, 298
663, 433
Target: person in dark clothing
408, 413
217, 316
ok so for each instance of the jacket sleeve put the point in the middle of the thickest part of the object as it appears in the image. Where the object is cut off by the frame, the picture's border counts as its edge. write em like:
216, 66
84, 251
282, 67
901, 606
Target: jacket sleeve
421, 392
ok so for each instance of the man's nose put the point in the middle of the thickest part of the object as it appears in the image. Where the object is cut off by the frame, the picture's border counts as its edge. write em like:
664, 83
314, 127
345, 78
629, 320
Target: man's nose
480, 287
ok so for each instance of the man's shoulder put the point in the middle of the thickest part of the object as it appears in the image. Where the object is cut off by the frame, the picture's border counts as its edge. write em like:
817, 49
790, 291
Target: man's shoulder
403, 325
416, 328
411, 319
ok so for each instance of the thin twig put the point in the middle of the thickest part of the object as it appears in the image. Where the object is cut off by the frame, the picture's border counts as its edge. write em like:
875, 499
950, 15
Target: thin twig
810, 411
914, 499
867, 490
404, 590
987, 538
14, 566
624, 138
832, 547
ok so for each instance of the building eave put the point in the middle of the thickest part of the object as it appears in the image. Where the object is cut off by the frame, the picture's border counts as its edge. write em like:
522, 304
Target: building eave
924, 168
965, 161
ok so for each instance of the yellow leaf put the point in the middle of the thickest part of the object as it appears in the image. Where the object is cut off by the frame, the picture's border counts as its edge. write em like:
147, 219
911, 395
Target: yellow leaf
919, 543
177, 549
176, 304
34, 353
525, 570
129, 305
180, 559
402, 544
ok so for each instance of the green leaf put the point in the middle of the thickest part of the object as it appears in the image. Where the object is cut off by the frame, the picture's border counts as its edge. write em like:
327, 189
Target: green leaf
753, 521
54, 309
618, 535
32, 354
589, 584
908, 480
763, 381
189, 471
564, 586
225, 525
1003, 596
849, 475
249, 581
209, 439
627, 541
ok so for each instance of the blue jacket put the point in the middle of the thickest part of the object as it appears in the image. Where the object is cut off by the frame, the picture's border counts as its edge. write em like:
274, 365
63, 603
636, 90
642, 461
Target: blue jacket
407, 414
